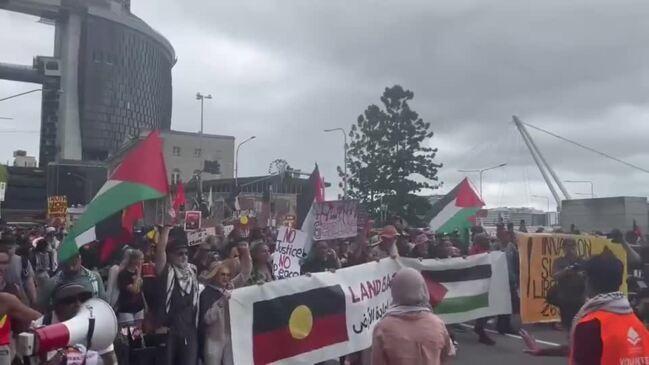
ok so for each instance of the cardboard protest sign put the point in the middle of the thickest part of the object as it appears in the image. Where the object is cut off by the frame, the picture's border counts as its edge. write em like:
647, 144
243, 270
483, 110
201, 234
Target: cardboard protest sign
227, 229
289, 252
57, 207
193, 220
306, 320
198, 236
334, 219
537, 254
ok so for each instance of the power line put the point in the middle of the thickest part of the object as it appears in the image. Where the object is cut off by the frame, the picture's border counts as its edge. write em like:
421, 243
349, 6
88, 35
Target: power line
629, 164
21, 94
17, 132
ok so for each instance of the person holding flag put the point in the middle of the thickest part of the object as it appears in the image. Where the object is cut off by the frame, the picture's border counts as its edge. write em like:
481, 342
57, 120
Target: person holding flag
131, 182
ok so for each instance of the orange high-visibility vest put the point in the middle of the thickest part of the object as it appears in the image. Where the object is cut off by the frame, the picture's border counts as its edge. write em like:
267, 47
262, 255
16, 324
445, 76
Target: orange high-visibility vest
5, 330
625, 340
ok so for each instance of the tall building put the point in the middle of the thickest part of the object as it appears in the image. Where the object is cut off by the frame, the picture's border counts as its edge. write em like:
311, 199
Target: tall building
109, 77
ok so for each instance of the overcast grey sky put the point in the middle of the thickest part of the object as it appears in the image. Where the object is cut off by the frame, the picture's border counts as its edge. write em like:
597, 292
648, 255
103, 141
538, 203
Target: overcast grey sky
285, 70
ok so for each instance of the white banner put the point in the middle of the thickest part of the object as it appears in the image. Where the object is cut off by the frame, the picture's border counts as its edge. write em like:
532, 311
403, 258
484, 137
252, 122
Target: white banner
306, 320
198, 236
289, 252
334, 219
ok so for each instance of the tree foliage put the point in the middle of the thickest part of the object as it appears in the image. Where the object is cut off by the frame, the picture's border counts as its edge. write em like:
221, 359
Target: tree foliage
389, 159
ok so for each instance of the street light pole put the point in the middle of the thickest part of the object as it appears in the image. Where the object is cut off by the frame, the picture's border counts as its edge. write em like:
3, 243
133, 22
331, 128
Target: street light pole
202, 97
592, 191
345, 161
236, 160
482, 171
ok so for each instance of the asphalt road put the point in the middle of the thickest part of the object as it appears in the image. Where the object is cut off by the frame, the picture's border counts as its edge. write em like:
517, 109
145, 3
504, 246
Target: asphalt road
508, 350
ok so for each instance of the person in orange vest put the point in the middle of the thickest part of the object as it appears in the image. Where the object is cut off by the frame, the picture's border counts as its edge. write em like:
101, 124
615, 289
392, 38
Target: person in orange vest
605, 330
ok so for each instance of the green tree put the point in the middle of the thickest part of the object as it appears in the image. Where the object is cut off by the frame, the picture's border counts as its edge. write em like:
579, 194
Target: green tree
389, 160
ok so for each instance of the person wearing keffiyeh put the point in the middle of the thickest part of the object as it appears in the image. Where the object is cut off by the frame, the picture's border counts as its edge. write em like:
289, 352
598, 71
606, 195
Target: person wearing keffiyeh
605, 329
180, 296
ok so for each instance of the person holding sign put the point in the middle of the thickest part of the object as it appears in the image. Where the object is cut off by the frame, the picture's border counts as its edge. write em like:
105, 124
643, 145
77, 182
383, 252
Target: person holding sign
569, 292
605, 330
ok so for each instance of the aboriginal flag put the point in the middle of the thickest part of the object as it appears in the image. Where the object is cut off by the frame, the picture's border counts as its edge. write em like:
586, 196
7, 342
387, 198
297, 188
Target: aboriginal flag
290, 325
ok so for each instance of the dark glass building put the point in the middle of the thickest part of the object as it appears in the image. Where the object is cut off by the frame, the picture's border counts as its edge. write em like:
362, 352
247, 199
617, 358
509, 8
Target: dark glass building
125, 85
109, 77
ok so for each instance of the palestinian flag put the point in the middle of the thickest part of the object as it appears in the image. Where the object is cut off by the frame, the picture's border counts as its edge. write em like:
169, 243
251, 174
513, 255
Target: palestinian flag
141, 176
459, 290
455, 209
294, 324
314, 190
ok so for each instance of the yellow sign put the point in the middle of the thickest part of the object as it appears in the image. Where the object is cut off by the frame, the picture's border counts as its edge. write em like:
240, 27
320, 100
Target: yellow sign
537, 253
57, 207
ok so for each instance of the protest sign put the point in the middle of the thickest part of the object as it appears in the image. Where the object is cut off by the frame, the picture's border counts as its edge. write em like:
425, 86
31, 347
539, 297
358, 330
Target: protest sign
196, 237
57, 207
537, 253
193, 220
306, 320
227, 229
289, 252
334, 219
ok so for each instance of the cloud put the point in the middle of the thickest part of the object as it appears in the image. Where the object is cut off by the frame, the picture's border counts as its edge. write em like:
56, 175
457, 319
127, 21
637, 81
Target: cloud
284, 71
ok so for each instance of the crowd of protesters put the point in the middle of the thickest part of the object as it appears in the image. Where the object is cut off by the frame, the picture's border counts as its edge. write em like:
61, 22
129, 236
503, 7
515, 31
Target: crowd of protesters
171, 300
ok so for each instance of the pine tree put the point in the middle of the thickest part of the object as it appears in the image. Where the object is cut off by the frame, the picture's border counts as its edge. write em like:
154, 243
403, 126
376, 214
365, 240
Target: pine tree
389, 160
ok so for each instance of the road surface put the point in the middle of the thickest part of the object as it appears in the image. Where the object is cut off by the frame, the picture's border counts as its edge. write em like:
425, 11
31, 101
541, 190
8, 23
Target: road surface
508, 349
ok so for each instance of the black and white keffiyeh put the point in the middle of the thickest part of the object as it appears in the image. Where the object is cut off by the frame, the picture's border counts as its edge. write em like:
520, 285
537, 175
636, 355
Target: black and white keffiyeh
185, 278
614, 302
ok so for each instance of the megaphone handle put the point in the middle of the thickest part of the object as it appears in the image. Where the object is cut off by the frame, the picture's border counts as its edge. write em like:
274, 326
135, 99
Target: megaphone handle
91, 331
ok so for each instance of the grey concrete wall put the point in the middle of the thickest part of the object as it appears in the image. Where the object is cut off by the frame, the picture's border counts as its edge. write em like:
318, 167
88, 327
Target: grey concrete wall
604, 214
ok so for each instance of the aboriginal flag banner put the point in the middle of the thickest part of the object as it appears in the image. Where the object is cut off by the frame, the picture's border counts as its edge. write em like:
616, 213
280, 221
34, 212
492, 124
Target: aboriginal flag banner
290, 325
311, 319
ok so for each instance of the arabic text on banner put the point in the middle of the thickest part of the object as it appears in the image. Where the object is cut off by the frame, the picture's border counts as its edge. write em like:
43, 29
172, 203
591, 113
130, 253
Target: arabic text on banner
306, 320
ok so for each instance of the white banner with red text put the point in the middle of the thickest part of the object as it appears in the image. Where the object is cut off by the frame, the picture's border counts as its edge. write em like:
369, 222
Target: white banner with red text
309, 319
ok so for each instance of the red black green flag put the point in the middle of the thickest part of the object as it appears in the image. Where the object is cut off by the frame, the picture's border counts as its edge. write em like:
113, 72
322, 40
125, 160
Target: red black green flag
294, 324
